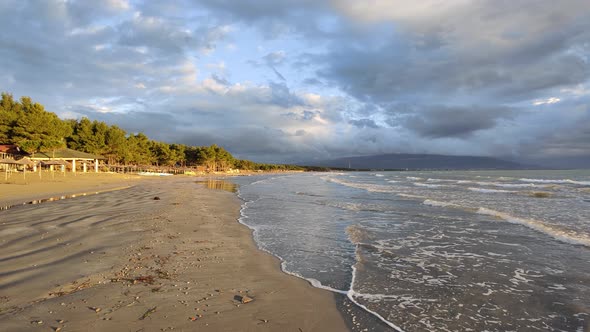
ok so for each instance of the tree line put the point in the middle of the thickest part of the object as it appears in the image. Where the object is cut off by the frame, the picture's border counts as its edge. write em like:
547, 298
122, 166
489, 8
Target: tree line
28, 125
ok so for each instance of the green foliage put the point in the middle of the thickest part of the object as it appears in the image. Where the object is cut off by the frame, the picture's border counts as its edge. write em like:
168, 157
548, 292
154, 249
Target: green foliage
34, 129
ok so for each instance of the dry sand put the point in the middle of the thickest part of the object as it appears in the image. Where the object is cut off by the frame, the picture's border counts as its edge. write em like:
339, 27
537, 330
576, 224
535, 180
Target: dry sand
122, 261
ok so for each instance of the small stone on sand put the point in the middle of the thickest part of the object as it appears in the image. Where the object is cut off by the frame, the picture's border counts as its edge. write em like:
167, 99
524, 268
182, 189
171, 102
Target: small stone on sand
246, 299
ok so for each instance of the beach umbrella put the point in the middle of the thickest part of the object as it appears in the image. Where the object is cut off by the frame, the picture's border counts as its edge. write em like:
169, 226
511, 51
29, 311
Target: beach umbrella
25, 162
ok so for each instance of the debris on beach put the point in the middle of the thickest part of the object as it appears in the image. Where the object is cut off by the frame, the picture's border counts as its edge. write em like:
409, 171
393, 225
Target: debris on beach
147, 313
95, 309
244, 299
157, 198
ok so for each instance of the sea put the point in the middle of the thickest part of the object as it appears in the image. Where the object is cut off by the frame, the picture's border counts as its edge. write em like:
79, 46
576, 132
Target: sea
436, 250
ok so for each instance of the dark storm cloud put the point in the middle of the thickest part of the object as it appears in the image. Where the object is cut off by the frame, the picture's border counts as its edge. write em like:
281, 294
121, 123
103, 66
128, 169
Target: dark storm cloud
161, 124
442, 121
364, 123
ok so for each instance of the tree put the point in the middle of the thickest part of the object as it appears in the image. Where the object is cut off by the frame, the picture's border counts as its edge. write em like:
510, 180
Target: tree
139, 150
37, 130
116, 144
178, 154
10, 111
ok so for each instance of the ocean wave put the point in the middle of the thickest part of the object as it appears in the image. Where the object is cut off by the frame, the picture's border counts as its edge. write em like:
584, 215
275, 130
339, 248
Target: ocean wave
264, 181
300, 193
379, 175
411, 196
420, 184
439, 180
512, 185
490, 191
556, 233
431, 202
504, 185
346, 206
558, 181
414, 178
352, 295
562, 235
367, 187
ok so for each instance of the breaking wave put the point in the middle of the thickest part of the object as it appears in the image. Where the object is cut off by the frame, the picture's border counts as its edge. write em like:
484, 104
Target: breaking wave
491, 191
558, 181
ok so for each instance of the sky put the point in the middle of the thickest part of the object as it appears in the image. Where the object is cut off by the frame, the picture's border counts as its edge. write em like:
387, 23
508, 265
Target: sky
293, 80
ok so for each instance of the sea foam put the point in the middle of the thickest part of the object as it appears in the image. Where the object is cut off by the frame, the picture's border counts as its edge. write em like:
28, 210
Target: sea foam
490, 191
558, 234
558, 181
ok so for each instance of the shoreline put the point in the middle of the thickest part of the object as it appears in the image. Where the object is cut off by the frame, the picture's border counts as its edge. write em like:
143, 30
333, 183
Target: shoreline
211, 261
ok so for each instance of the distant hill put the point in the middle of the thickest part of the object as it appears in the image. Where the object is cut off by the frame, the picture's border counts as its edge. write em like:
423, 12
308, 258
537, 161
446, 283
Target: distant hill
416, 161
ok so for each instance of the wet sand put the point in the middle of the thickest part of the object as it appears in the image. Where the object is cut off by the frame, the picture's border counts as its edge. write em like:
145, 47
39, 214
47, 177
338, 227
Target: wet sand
122, 261
18, 189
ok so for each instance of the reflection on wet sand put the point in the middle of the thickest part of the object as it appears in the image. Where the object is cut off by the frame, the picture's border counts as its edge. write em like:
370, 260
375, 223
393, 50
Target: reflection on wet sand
219, 185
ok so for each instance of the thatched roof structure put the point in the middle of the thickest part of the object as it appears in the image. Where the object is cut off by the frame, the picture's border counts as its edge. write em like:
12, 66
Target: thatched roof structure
66, 154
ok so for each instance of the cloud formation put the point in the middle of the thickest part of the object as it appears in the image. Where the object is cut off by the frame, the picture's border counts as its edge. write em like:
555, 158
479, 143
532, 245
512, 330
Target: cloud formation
296, 80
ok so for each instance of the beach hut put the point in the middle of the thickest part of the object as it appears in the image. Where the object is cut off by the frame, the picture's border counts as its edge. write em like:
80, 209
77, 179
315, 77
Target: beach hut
8, 151
52, 163
26, 162
72, 157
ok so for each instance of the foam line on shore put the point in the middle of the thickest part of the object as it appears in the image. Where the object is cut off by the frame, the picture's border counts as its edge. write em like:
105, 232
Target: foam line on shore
313, 282
351, 293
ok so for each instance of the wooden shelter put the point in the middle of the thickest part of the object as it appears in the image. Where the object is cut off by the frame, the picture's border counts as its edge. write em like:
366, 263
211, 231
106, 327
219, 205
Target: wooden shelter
72, 157
11, 151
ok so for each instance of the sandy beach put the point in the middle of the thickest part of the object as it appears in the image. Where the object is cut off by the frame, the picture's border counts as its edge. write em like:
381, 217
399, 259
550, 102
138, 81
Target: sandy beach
122, 260
18, 189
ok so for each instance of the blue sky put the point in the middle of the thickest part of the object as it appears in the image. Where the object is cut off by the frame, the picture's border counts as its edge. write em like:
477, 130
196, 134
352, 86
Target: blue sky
289, 80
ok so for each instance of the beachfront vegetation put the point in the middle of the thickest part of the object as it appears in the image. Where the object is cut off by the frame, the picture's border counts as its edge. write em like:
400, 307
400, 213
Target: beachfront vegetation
34, 129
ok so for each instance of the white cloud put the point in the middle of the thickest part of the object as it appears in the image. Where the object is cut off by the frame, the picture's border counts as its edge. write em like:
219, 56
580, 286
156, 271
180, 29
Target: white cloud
551, 100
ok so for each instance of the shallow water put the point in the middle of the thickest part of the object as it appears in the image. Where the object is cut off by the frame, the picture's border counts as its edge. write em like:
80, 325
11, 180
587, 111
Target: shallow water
219, 185
455, 251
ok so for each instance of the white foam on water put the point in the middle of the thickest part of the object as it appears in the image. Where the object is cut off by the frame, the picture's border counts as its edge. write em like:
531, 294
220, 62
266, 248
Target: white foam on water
351, 296
490, 191
440, 204
314, 282
561, 235
379, 175
566, 181
439, 180
419, 184
512, 185
264, 181
411, 196
568, 237
414, 178
367, 187
557, 287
